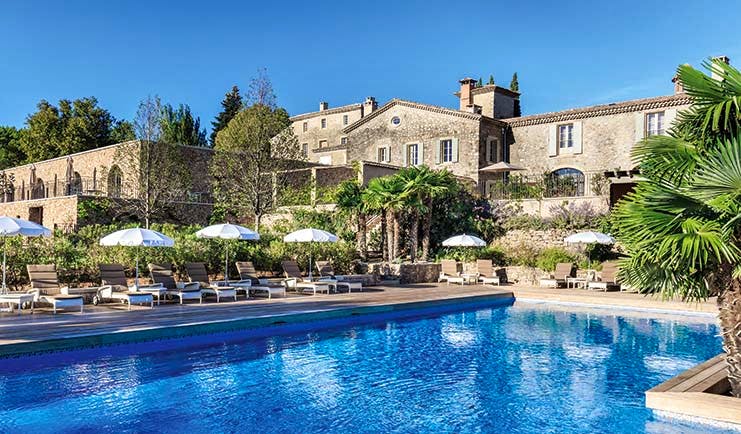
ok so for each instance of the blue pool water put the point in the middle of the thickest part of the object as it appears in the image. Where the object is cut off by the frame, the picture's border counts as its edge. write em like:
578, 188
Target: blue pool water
520, 368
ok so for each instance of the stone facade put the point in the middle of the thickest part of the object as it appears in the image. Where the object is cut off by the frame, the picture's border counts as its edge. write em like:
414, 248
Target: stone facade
49, 191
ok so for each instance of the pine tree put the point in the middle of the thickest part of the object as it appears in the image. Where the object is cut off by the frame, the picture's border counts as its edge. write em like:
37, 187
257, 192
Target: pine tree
231, 105
480, 83
491, 79
514, 85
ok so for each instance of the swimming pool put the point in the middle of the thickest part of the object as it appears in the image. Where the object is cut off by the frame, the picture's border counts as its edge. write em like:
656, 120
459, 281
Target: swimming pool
520, 368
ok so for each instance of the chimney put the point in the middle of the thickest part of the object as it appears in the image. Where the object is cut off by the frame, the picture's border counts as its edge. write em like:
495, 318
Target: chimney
369, 106
678, 88
323, 106
466, 99
723, 59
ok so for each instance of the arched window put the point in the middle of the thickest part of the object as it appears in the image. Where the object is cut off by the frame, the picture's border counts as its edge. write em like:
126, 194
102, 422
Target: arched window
8, 191
115, 181
566, 182
76, 187
38, 190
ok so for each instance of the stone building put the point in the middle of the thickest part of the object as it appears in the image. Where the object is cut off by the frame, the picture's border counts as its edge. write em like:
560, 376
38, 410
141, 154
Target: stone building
50, 192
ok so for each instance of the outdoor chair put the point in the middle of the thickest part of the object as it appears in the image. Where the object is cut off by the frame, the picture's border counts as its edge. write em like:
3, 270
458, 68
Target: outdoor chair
449, 272
487, 274
294, 280
248, 275
197, 273
607, 278
115, 288
45, 288
162, 274
564, 270
326, 273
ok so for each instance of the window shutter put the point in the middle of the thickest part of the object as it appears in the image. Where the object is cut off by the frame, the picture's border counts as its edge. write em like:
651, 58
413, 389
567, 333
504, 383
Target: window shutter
669, 117
421, 150
455, 150
577, 138
640, 121
438, 159
405, 156
388, 154
487, 143
552, 142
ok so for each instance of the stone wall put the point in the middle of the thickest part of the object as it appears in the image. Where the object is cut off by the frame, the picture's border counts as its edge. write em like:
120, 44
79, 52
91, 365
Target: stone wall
331, 176
535, 239
422, 272
543, 207
56, 213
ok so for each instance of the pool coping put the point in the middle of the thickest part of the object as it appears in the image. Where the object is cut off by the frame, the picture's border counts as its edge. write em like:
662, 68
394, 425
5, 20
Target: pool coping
698, 393
145, 333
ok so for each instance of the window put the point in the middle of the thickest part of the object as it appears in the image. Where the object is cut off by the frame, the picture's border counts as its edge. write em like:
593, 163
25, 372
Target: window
324, 122
382, 155
345, 120
305, 149
322, 143
566, 182
566, 136
446, 150
115, 181
493, 150
343, 140
395, 120
655, 124
306, 126
413, 154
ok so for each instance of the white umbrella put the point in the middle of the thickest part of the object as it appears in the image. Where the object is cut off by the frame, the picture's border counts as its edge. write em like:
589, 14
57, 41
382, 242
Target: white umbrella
10, 227
589, 237
227, 231
464, 241
310, 235
137, 237
501, 167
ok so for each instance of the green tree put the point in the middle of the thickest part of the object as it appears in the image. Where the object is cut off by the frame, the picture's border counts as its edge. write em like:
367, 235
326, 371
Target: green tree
480, 83
11, 153
123, 131
514, 85
251, 155
181, 128
230, 106
74, 126
349, 198
491, 79
382, 196
681, 225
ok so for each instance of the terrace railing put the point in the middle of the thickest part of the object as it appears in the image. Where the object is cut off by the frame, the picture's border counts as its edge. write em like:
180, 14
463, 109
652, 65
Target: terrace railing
518, 187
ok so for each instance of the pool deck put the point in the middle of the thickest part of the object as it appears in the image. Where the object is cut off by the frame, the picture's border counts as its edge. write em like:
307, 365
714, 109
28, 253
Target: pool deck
42, 331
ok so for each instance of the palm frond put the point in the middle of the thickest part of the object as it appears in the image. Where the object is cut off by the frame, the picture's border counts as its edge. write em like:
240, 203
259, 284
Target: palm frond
717, 180
666, 158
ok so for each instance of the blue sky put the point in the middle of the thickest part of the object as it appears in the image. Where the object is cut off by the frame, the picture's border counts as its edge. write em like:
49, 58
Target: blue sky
567, 54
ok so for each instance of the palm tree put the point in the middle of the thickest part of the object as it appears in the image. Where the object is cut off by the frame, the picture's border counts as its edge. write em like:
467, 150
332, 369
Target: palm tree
349, 198
383, 195
438, 184
682, 224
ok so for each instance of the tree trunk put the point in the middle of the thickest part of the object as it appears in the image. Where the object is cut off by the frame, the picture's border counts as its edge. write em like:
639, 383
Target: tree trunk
258, 218
426, 229
397, 236
414, 236
729, 304
362, 241
390, 223
384, 244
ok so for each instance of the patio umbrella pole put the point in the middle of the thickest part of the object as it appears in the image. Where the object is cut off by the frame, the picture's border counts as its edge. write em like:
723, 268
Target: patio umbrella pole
226, 262
5, 288
136, 271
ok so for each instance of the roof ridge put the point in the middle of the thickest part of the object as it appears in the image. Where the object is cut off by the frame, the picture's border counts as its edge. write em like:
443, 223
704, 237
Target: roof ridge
330, 111
413, 104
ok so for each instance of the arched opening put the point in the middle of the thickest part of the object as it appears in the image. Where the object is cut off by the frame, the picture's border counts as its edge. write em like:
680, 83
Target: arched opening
566, 182
115, 181
8, 192
38, 191
76, 185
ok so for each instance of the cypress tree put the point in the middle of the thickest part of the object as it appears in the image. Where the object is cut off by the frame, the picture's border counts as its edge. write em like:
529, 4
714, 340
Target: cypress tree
514, 84
231, 105
480, 83
491, 79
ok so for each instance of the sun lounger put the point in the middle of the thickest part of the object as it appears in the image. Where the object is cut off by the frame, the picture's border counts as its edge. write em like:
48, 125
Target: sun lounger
326, 272
162, 274
197, 273
449, 272
564, 270
294, 280
607, 278
114, 287
248, 275
46, 289
487, 274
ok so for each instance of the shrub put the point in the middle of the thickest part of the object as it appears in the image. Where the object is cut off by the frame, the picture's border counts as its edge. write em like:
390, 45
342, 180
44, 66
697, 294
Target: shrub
548, 258
467, 254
